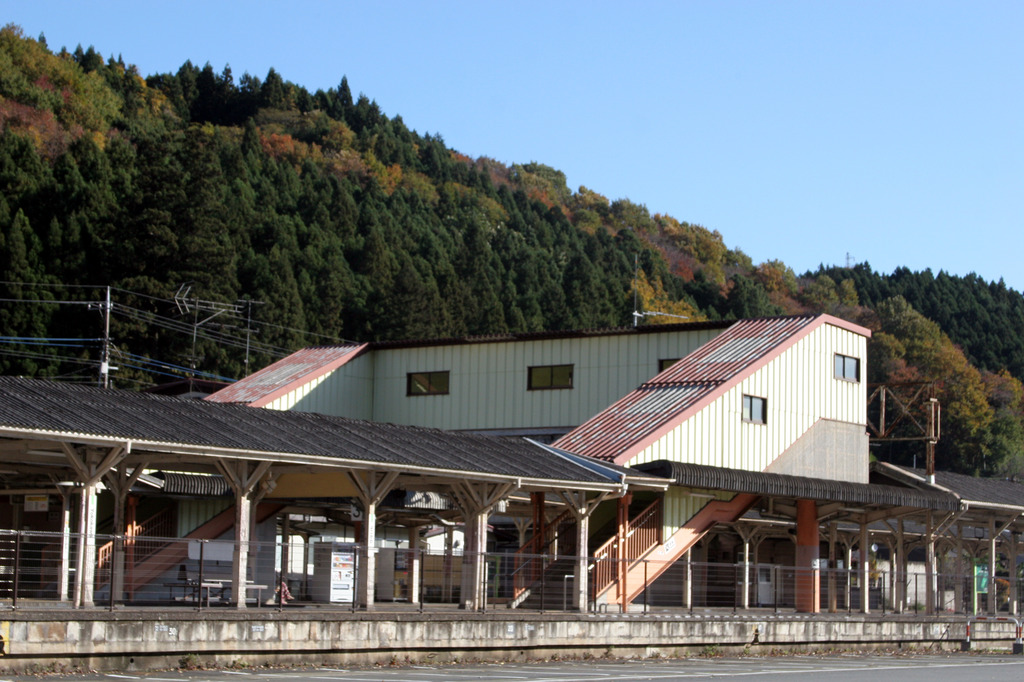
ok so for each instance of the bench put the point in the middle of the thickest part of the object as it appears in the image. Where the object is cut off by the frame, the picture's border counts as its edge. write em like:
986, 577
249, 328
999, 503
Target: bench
194, 590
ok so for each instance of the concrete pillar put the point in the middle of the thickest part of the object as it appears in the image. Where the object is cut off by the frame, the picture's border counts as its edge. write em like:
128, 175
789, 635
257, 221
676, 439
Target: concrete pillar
807, 589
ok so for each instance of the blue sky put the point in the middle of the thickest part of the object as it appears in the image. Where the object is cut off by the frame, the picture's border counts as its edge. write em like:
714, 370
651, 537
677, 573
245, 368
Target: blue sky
892, 132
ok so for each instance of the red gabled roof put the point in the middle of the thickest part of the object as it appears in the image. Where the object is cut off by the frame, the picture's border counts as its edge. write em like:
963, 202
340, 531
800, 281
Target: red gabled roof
287, 374
659, 405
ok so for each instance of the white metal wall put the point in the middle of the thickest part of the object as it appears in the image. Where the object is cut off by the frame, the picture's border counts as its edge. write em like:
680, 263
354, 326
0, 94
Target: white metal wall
800, 388
488, 381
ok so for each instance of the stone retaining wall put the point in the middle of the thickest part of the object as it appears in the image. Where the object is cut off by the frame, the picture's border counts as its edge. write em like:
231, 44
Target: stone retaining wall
73, 640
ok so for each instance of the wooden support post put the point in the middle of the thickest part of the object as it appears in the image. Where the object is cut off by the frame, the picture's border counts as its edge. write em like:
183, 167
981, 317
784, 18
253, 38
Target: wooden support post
85, 577
476, 501
621, 567
959, 604
1014, 581
286, 559
65, 545
449, 552
993, 555
833, 598
929, 566
900, 568
414, 563
244, 477
864, 573
371, 488
688, 597
90, 465
581, 509
120, 483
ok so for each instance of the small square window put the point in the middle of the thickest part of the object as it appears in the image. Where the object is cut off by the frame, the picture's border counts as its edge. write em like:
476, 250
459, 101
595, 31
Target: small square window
755, 410
549, 376
666, 363
847, 367
426, 383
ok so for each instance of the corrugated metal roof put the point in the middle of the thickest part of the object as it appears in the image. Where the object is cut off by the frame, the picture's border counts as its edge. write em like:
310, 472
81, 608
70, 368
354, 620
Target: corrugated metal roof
719, 362
301, 366
780, 485
75, 411
194, 485
971, 489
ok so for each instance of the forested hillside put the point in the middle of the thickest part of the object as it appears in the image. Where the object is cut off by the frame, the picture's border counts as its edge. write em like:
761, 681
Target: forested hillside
285, 218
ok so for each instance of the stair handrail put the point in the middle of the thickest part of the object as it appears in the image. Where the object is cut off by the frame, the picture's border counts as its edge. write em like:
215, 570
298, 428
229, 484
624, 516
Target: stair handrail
526, 557
163, 524
643, 533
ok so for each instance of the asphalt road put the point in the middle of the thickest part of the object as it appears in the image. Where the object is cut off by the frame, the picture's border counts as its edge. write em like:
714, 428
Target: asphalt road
844, 668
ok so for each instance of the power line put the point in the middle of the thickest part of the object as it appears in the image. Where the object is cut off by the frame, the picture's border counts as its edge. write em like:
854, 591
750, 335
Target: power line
218, 333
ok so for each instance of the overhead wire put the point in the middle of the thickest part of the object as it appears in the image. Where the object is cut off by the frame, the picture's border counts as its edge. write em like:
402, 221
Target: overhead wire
215, 333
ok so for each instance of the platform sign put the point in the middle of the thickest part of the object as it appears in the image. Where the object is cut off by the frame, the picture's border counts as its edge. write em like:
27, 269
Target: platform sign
343, 575
37, 503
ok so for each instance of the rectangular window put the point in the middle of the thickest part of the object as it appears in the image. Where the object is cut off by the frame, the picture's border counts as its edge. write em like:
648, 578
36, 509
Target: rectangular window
666, 363
549, 376
426, 383
847, 367
755, 410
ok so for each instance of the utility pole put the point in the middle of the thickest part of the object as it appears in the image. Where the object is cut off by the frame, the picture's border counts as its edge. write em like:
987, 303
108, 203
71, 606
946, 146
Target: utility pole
105, 359
248, 329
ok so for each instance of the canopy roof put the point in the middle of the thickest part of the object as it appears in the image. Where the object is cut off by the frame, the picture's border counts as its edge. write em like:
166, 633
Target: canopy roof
41, 415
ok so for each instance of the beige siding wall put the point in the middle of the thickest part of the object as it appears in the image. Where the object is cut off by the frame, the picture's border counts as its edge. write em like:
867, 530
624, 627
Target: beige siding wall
345, 392
488, 381
681, 504
800, 388
193, 513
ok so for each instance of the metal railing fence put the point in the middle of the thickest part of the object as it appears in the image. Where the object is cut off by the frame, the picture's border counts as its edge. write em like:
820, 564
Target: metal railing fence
40, 569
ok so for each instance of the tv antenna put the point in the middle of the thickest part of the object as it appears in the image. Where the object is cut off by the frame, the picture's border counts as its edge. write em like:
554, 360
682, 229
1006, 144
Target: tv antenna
195, 305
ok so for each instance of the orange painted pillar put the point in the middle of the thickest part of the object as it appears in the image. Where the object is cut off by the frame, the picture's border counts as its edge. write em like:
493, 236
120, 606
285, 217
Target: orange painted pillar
808, 579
